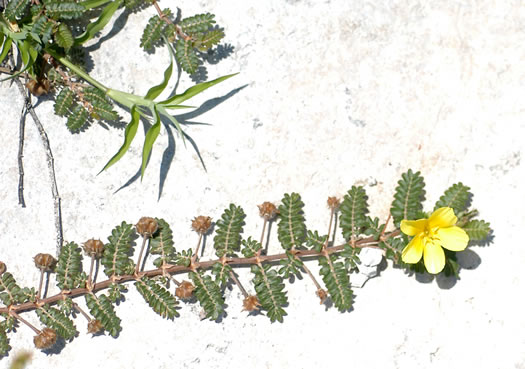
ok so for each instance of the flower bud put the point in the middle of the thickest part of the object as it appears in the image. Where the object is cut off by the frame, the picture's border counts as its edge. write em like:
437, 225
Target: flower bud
3, 268
146, 226
251, 303
94, 248
45, 339
322, 295
201, 224
267, 210
94, 326
185, 290
333, 203
45, 262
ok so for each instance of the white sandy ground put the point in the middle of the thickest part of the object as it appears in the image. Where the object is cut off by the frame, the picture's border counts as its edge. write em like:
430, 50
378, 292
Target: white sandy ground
336, 93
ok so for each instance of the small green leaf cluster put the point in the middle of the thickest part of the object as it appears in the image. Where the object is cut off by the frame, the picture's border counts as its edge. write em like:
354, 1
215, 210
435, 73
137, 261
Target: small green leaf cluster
158, 297
101, 307
57, 320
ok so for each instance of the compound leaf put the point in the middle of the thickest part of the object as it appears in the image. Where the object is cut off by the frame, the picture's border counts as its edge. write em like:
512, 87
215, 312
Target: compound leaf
269, 287
102, 309
209, 295
353, 212
477, 230
408, 197
335, 278
55, 319
162, 244
158, 297
455, 197
197, 23
291, 229
77, 119
69, 267
186, 56
116, 259
228, 231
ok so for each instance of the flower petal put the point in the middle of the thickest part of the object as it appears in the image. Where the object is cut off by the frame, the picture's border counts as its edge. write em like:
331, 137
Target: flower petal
453, 238
413, 251
434, 257
413, 227
442, 217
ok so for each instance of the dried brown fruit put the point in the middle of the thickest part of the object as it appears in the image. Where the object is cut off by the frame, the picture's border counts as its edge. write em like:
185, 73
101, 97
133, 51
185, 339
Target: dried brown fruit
146, 226
94, 326
322, 295
333, 203
2, 268
45, 262
38, 88
201, 224
45, 339
251, 303
94, 248
185, 290
267, 210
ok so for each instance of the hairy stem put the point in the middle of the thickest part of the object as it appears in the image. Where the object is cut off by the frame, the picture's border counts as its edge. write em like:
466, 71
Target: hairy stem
175, 269
77, 308
238, 283
23, 115
91, 267
40, 284
144, 239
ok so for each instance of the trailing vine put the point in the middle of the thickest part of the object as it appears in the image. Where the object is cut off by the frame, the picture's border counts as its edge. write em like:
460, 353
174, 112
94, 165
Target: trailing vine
207, 278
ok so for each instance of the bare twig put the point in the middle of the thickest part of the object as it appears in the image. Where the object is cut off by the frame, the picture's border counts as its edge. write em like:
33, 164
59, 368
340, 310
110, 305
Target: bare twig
50, 161
22, 125
238, 283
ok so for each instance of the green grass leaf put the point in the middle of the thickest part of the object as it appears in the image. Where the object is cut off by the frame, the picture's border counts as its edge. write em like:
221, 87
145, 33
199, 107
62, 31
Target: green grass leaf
149, 140
96, 26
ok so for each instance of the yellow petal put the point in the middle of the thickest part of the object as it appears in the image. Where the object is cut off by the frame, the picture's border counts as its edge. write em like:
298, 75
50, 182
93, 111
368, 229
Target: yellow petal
442, 217
453, 238
434, 257
413, 227
413, 251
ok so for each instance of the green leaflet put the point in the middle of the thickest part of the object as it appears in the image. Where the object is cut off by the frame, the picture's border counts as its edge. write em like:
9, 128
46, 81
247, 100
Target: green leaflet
184, 257
290, 266
55, 319
10, 291
149, 140
116, 259
4, 342
209, 295
186, 56
228, 231
102, 309
250, 247
335, 278
155, 91
101, 106
96, 26
408, 197
455, 197
6, 46
373, 228
221, 273
64, 101
65, 306
64, 9
15, 9
393, 248
69, 267
158, 297
153, 32
129, 135
353, 212
197, 23
63, 36
291, 228
77, 119
209, 39
162, 244
269, 287
315, 241
116, 292
477, 229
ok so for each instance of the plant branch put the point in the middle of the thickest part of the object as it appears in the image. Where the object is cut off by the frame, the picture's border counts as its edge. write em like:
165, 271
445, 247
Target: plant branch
50, 161
176, 269
21, 131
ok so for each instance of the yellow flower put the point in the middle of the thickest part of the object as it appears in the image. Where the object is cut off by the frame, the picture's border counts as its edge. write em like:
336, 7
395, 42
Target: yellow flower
430, 235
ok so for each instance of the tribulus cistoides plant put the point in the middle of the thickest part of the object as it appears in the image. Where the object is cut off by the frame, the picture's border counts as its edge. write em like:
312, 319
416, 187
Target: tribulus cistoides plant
413, 239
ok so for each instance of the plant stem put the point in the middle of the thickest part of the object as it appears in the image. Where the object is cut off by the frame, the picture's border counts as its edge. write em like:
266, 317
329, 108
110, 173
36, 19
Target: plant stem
64, 61
18, 317
196, 253
175, 269
91, 270
40, 283
75, 305
238, 283
317, 285
144, 239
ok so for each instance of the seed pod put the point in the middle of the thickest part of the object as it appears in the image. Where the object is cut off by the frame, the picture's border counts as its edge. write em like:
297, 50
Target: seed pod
45, 262
2, 268
322, 295
94, 248
38, 88
45, 339
251, 303
94, 326
146, 226
201, 224
185, 290
267, 210
333, 203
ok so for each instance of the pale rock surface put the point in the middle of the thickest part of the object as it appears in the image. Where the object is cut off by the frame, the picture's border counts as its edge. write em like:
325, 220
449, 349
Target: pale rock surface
330, 94
369, 259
